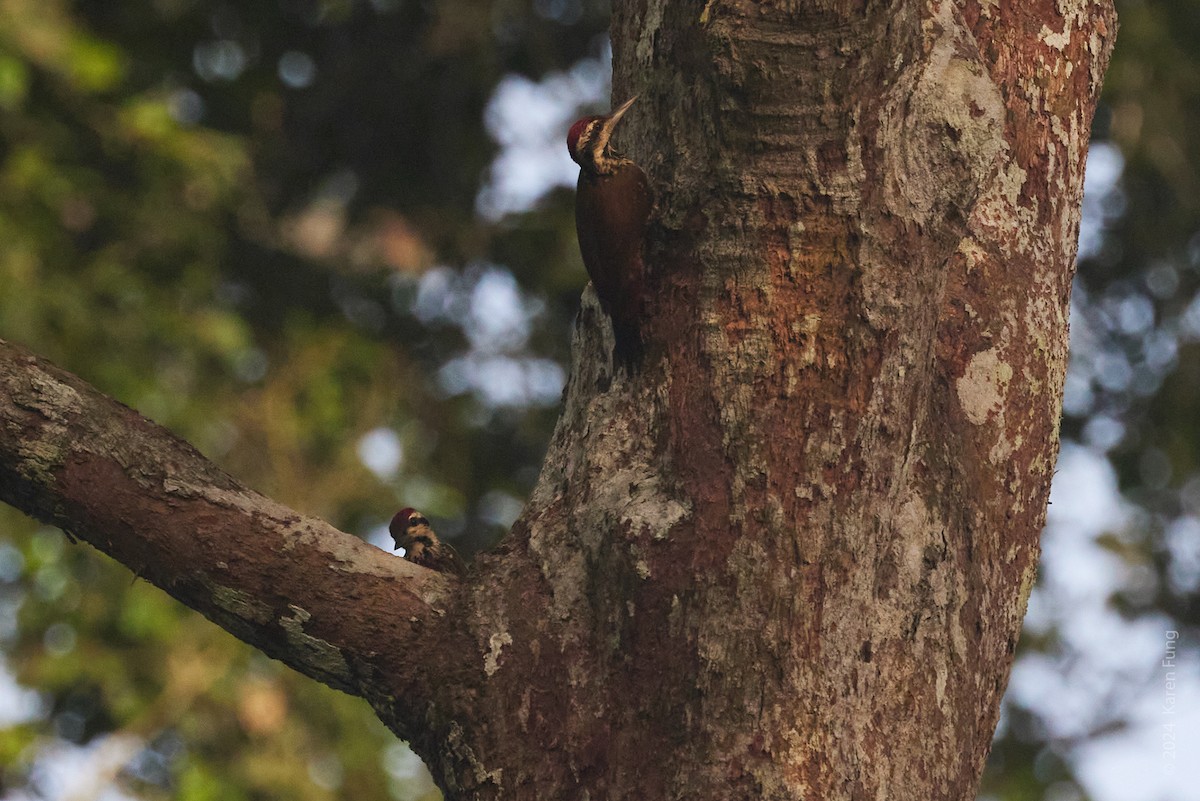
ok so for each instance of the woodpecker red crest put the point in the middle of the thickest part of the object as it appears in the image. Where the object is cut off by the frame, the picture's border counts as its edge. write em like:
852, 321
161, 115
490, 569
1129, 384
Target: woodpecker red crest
410, 530
612, 207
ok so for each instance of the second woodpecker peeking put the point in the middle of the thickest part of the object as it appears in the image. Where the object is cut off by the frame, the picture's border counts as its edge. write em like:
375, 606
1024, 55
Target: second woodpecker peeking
612, 209
411, 531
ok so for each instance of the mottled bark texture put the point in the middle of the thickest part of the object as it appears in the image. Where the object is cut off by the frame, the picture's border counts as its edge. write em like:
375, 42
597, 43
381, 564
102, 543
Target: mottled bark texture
788, 558
322, 601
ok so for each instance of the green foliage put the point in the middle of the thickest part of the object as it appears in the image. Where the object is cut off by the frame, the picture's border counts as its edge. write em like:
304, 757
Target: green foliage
238, 257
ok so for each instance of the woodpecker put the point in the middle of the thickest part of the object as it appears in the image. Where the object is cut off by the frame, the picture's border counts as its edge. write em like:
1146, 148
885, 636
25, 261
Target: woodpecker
612, 208
410, 530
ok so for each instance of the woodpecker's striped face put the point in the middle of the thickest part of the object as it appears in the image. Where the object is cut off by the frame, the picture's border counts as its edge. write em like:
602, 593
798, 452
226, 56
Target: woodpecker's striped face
588, 140
579, 140
410, 530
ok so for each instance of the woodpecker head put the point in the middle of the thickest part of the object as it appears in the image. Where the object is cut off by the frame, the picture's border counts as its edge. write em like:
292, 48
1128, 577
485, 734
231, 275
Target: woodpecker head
588, 141
410, 530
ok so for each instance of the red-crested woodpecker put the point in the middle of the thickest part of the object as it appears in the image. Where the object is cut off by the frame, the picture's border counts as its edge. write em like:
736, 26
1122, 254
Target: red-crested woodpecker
410, 530
612, 208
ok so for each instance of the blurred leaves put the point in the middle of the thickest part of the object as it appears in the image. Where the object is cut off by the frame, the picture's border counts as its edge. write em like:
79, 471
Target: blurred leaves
230, 217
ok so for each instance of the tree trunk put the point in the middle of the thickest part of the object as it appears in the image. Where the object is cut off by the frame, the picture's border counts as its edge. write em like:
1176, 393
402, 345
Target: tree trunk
789, 557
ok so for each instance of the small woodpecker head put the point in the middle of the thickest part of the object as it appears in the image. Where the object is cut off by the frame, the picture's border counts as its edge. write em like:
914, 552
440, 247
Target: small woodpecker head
410, 530
588, 140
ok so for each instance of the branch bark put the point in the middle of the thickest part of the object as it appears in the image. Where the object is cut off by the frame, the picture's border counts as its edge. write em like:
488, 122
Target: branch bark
284, 583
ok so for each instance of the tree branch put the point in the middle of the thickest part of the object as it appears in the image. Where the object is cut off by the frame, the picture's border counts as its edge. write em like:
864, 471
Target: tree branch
322, 601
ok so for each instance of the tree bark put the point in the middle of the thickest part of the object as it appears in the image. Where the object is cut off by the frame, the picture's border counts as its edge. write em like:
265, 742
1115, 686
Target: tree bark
789, 558
322, 601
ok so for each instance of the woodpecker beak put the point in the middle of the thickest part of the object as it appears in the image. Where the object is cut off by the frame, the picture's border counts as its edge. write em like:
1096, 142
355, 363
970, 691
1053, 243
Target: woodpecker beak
610, 122
405, 540
604, 132
618, 113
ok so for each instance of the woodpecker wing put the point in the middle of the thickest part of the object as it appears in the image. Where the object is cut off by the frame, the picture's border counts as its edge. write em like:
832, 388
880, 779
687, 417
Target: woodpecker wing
611, 213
